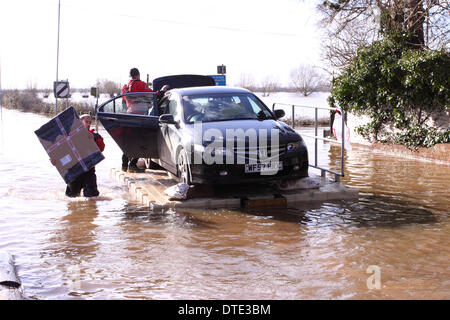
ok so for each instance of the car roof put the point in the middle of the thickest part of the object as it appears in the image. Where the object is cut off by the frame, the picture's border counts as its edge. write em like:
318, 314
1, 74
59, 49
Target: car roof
209, 90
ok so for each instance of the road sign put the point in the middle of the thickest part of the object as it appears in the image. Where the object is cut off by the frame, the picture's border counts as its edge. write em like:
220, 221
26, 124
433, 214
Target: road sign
94, 91
220, 79
221, 69
61, 89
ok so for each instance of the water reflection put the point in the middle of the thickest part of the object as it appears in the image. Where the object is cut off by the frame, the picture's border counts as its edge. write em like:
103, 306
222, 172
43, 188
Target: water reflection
76, 235
369, 211
386, 212
176, 218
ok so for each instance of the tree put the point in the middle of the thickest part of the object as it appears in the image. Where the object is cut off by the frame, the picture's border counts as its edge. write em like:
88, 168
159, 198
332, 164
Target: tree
246, 81
339, 49
353, 23
109, 87
305, 79
269, 85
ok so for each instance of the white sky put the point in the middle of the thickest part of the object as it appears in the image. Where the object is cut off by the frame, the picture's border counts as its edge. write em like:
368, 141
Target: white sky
104, 39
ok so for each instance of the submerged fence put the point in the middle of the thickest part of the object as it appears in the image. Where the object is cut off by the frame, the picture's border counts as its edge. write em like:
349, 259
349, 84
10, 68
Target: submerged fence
337, 175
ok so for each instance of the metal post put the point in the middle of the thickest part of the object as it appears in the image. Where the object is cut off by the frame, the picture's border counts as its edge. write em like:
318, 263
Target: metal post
315, 134
57, 58
293, 116
1, 112
1, 106
96, 107
336, 178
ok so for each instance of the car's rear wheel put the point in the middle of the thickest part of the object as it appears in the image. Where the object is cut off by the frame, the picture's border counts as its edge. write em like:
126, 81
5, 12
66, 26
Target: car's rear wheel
183, 168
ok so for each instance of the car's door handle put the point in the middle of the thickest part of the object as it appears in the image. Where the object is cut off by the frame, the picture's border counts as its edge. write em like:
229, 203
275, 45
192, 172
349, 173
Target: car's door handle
110, 118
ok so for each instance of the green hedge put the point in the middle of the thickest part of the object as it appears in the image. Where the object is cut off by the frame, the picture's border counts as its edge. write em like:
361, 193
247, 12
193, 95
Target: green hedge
396, 84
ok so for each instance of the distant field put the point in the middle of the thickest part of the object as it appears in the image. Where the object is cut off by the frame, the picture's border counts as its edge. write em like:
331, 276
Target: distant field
318, 99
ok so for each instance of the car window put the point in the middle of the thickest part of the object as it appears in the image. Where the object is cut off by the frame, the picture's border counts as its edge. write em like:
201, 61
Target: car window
116, 106
256, 107
222, 107
142, 104
173, 109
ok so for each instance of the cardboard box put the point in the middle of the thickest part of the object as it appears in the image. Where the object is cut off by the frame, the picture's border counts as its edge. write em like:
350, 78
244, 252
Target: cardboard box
68, 144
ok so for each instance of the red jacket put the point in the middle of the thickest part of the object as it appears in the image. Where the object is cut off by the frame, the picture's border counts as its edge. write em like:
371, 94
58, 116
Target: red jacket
98, 140
135, 85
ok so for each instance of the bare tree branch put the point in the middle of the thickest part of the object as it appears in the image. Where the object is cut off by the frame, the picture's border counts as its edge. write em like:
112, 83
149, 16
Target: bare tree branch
351, 24
305, 79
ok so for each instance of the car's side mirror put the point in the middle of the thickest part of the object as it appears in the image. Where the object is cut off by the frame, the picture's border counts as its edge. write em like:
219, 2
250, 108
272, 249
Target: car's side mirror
279, 113
167, 118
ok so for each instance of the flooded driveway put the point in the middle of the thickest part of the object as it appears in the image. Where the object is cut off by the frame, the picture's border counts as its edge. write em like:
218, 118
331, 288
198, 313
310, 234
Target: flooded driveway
395, 238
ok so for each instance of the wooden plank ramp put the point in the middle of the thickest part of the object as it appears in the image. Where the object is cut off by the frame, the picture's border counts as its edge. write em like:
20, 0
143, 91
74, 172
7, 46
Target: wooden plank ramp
148, 189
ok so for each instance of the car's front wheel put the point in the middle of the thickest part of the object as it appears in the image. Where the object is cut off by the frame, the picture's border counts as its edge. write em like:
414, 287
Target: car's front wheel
183, 168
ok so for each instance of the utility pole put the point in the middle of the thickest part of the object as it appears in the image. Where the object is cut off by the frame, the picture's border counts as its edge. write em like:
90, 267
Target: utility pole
1, 106
1, 111
57, 58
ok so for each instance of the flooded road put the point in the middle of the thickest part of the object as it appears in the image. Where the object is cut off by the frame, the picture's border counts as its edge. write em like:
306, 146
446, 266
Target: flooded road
396, 236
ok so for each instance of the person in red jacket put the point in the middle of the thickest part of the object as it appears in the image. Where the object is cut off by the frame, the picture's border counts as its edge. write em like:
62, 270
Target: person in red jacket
134, 85
88, 180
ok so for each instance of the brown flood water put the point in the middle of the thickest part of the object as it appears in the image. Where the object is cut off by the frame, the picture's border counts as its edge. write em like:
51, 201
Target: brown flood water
112, 248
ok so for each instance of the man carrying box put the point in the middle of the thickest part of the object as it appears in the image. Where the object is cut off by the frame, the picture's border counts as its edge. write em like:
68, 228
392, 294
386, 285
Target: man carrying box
88, 180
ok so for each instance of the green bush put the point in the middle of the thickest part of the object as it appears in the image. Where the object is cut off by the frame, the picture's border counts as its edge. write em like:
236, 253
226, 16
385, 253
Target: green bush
399, 85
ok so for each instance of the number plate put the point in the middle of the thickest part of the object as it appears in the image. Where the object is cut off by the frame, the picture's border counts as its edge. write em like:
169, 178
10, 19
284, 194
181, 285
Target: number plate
265, 166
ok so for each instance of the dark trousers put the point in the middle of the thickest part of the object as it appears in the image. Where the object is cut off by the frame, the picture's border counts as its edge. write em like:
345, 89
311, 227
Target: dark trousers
129, 161
87, 181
